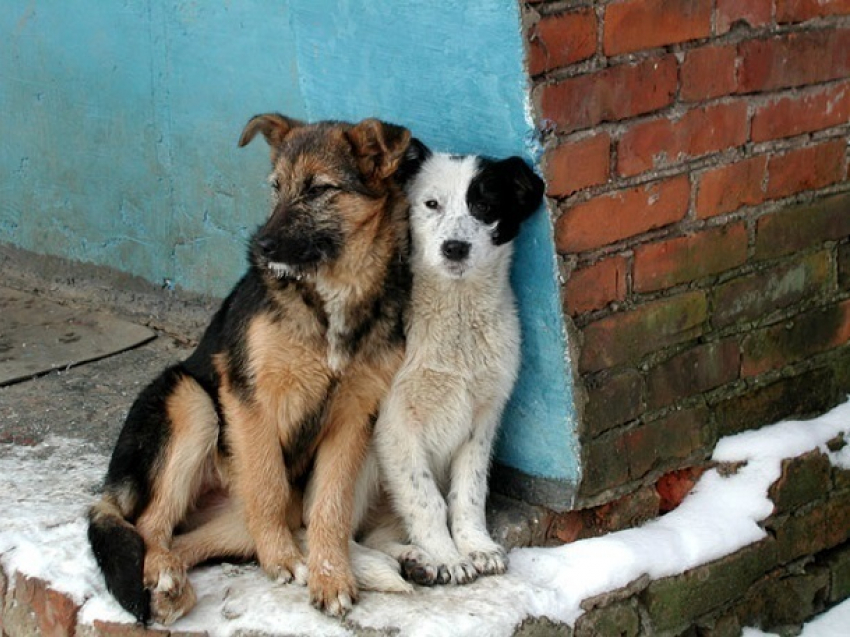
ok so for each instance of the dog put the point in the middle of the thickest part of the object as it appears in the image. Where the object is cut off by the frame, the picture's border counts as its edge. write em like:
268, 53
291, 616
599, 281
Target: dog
284, 385
434, 435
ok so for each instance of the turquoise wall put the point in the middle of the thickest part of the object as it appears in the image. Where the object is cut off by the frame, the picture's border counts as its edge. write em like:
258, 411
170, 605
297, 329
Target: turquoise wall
120, 122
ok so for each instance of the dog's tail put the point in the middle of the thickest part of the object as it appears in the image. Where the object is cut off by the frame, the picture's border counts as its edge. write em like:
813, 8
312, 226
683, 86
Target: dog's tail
120, 553
377, 571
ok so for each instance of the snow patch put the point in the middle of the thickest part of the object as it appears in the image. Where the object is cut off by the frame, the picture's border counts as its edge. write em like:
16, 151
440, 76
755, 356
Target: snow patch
44, 492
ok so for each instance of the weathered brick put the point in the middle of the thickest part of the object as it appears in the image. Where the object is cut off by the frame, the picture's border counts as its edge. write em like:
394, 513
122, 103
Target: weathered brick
806, 394
807, 168
613, 400
708, 72
822, 525
793, 59
595, 286
615, 93
672, 602
574, 165
798, 338
804, 479
800, 227
784, 599
628, 511
756, 295
668, 442
39, 610
844, 266
634, 25
610, 218
619, 620
560, 40
755, 13
727, 188
602, 464
667, 263
628, 336
664, 142
838, 563
673, 487
812, 111
724, 626
788, 11
694, 371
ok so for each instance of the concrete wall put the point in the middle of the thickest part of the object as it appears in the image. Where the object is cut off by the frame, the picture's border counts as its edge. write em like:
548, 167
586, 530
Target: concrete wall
119, 135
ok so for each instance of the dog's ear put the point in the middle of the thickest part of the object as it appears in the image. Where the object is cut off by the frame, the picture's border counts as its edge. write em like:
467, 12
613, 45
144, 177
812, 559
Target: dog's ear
379, 148
523, 189
273, 126
415, 155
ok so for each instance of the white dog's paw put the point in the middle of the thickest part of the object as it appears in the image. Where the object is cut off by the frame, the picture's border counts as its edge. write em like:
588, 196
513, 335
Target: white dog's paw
490, 562
424, 570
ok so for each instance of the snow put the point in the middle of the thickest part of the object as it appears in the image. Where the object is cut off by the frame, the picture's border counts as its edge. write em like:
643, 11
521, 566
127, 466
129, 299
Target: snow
832, 623
44, 491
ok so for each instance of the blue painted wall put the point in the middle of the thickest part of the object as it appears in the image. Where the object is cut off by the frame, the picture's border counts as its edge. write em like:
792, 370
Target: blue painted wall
120, 121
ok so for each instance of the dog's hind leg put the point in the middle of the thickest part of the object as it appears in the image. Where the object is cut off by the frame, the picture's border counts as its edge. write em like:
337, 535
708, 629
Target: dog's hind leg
468, 495
183, 466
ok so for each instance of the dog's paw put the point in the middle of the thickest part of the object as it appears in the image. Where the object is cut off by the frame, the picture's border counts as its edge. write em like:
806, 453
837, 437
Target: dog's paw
332, 589
172, 595
421, 569
492, 562
286, 567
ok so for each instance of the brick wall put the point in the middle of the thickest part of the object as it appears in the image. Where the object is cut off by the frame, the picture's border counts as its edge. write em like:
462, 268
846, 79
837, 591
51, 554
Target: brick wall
697, 164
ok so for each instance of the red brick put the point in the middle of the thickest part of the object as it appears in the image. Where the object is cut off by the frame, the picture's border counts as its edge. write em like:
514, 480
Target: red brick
668, 442
560, 40
55, 613
683, 259
801, 227
612, 399
793, 59
755, 13
693, 371
614, 217
794, 340
595, 286
673, 487
844, 266
634, 25
802, 10
708, 72
757, 295
663, 142
727, 188
615, 93
815, 110
574, 165
806, 168
625, 337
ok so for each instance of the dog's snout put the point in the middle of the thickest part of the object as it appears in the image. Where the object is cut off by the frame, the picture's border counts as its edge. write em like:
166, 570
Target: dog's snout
455, 250
267, 244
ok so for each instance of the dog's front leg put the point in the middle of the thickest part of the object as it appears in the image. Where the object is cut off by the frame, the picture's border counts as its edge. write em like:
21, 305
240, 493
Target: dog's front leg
468, 496
262, 485
329, 519
433, 558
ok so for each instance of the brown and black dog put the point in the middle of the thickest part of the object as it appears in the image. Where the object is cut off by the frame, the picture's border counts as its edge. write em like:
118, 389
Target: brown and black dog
285, 384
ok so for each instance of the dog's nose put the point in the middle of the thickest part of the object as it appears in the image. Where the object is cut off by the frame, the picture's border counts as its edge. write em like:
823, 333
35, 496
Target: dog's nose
455, 250
267, 244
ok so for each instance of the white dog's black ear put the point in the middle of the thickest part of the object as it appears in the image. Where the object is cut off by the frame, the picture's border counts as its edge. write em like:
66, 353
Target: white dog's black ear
506, 192
416, 154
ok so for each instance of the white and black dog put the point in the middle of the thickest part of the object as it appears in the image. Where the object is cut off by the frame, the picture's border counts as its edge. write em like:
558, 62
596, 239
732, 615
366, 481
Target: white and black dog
434, 435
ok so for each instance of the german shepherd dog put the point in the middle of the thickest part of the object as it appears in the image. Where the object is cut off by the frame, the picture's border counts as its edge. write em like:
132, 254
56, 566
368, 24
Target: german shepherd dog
285, 384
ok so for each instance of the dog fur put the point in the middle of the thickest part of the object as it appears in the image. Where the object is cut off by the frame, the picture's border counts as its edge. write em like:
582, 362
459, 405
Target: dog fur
284, 385
435, 432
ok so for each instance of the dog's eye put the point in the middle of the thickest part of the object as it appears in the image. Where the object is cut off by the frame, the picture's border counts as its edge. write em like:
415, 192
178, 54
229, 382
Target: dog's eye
432, 204
482, 208
315, 190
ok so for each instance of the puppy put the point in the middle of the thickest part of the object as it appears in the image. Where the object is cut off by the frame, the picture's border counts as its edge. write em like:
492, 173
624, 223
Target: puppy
286, 380
435, 432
